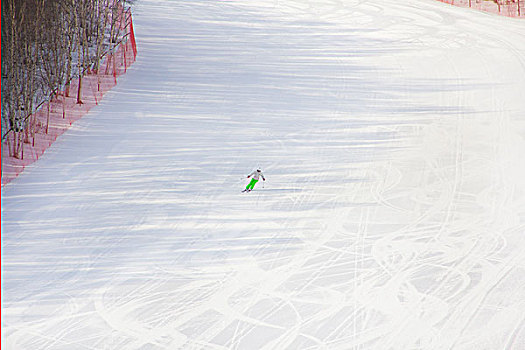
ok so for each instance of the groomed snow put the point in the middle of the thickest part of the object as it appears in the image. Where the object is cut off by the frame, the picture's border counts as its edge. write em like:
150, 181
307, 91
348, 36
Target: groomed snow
392, 137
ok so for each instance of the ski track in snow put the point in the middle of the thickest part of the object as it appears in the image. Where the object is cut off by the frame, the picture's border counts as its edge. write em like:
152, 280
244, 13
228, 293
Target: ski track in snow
392, 136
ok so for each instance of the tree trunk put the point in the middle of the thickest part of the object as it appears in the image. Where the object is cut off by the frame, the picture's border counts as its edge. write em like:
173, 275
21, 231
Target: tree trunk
79, 51
48, 113
68, 72
64, 106
79, 90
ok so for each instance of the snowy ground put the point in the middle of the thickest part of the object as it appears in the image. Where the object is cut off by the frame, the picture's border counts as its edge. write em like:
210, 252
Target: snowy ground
392, 136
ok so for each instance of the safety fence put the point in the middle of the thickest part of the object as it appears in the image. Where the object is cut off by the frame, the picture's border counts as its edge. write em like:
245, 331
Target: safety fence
510, 8
53, 117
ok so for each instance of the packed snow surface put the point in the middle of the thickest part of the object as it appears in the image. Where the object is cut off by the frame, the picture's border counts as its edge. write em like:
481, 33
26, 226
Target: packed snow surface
392, 138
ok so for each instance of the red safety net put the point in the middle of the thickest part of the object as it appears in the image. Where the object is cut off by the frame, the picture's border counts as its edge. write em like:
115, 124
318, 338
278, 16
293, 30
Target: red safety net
510, 8
64, 110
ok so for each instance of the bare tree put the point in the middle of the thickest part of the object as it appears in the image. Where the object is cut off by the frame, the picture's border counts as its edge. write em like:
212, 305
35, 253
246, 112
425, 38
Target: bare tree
86, 24
68, 12
19, 62
54, 53
10, 80
102, 22
43, 43
31, 54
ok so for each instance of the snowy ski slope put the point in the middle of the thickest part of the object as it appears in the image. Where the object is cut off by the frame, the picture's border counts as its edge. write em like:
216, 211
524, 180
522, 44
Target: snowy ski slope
392, 137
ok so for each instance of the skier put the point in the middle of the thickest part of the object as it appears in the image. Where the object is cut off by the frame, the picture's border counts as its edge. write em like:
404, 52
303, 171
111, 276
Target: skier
255, 177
